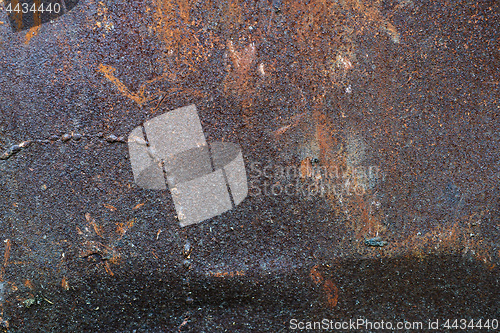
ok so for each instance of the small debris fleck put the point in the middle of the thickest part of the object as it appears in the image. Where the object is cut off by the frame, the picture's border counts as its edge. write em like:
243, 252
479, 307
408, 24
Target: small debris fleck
29, 302
77, 136
375, 241
187, 264
25, 144
187, 250
111, 138
14, 150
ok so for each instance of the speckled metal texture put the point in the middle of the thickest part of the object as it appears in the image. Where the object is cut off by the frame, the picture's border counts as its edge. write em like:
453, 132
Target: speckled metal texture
370, 136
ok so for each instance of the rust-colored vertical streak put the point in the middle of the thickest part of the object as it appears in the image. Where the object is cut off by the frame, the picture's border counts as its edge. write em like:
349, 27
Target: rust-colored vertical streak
38, 15
5, 258
18, 16
164, 25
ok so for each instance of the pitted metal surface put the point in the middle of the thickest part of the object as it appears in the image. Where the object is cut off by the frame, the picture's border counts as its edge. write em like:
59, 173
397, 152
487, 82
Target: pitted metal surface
369, 133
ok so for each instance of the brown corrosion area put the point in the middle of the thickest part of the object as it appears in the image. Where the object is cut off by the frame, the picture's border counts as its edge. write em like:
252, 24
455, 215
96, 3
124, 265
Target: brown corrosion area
330, 290
404, 91
325, 35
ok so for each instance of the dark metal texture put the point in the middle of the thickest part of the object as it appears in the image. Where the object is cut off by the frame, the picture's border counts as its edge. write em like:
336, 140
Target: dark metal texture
379, 117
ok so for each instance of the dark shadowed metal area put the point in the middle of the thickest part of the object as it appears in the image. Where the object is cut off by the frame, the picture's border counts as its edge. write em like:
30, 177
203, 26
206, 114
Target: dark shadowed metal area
370, 136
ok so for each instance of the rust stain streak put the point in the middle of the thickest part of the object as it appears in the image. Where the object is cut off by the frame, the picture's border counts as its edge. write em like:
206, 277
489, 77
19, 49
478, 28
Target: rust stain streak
138, 206
5, 258
18, 16
139, 96
306, 168
108, 73
294, 121
111, 208
226, 274
108, 269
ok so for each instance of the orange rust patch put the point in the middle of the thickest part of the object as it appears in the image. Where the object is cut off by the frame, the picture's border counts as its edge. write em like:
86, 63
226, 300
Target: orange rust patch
316, 275
178, 33
329, 288
306, 168
242, 60
239, 82
32, 33
64, 283
29, 284
123, 227
103, 19
332, 293
367, 223
357, 206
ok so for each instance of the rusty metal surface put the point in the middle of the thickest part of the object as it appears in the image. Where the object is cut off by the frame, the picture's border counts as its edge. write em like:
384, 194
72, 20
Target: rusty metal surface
384, 112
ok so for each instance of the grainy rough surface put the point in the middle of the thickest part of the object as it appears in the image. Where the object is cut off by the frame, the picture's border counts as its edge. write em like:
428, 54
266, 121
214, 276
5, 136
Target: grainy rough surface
379, 117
